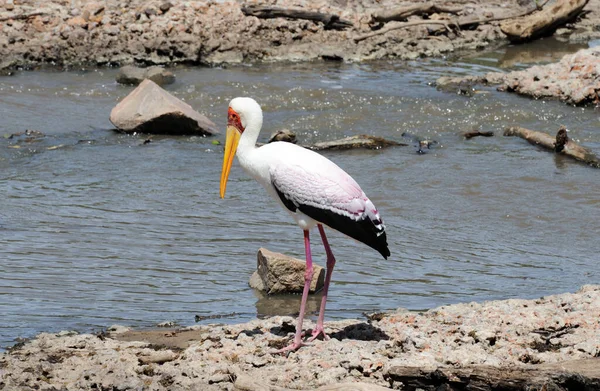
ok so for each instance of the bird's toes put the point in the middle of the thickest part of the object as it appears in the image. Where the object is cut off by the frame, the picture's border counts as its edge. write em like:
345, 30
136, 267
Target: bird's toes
317, 333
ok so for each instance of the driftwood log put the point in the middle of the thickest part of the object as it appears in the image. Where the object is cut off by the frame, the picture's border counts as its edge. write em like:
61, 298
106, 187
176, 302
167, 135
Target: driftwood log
353, 142
460, 23
475, 133
559, 144
402, 13
21, 16
544, 22
567, 376
330, 21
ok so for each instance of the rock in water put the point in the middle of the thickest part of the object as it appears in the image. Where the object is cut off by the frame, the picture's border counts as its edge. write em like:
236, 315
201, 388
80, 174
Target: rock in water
134, 75
283, 135
279, 273
150, 109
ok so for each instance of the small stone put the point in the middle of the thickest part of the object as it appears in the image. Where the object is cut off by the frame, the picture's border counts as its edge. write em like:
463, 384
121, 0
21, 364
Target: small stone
133, 75
219, 378
283, 135
160, 75
283, 274
112, 30
166, 6
77, 21
117, 329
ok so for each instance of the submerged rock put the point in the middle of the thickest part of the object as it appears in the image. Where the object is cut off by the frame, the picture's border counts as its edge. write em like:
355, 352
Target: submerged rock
283, 135
150, 109
358, 141
134, 75
279, 273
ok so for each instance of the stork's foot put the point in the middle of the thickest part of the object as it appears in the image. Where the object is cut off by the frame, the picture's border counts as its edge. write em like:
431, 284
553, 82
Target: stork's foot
291, 348
317, 331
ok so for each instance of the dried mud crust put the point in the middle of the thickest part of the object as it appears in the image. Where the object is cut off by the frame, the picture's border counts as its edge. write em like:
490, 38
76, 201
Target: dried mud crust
511, 340
36, 32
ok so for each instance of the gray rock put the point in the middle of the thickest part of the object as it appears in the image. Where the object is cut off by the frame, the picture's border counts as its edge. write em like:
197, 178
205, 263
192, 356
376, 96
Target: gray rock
283, 135
166, 6
160, 75
279, 273
256, 282
575, 79
354, 142
133, 75
150, 109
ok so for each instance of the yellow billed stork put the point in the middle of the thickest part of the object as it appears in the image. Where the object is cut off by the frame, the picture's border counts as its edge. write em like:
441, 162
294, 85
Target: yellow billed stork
312, 188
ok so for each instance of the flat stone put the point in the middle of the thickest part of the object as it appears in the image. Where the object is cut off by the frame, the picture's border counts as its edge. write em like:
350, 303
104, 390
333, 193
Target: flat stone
279, 273
151, 109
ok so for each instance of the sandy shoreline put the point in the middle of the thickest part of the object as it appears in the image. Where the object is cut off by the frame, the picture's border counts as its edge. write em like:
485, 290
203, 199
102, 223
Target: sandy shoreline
524, 335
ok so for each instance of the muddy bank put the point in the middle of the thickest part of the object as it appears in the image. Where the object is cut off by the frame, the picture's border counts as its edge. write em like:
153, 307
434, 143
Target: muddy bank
65, 32
539, 338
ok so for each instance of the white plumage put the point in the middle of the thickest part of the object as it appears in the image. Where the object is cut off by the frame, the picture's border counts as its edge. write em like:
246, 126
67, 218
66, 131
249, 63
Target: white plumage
311, 187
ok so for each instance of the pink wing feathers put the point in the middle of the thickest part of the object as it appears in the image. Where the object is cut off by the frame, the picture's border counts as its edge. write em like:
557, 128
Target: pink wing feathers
310, 183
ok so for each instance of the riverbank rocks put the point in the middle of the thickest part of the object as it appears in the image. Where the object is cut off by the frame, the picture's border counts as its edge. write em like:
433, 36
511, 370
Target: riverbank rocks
548, 343
575, 79
150, 109
132, 75
157, 32
279, 273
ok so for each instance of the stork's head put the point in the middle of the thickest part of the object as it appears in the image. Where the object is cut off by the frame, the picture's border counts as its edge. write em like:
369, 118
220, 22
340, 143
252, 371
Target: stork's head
244, 117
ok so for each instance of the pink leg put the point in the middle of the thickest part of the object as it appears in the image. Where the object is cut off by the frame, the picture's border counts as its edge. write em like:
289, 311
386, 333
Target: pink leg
330, 264
307, 279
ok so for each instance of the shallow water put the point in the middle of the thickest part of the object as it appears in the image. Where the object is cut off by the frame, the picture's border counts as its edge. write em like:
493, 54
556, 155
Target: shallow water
97, 228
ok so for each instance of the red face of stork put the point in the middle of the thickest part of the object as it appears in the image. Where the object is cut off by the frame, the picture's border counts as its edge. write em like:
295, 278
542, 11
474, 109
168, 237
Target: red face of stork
234, 132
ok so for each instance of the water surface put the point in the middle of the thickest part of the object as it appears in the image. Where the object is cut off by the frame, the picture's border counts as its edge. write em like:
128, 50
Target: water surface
98, 228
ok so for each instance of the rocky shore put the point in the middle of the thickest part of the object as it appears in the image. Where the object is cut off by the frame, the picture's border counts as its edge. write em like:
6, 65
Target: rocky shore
550, 343
575, 80
117, 32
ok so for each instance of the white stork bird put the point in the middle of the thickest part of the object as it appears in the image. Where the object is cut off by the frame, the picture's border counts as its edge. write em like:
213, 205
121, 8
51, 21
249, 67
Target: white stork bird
312, 188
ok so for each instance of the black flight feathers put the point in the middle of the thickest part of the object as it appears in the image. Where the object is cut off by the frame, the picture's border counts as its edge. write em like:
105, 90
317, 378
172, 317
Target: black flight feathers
364, 230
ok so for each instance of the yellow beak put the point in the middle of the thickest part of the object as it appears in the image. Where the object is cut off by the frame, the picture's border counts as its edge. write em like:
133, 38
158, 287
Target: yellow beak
231, 143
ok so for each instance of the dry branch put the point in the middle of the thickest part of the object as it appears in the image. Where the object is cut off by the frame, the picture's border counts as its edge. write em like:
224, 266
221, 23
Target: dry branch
21, 16
560, 144
418, 9
330, 21
543, 22
475, 133
460, 23
399, 25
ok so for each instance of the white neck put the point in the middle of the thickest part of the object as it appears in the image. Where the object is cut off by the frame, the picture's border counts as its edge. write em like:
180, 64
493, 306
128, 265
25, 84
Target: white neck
248, 139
